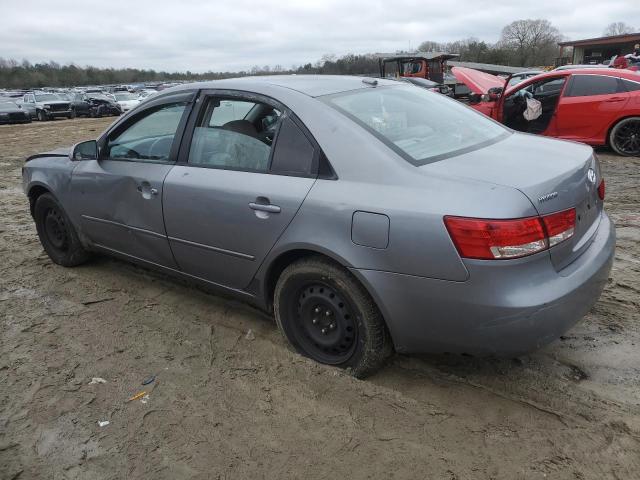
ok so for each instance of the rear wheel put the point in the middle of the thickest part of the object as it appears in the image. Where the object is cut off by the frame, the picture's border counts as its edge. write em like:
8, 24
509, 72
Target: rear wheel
42, 116
328, 316
56, 233
72, 114
625, 137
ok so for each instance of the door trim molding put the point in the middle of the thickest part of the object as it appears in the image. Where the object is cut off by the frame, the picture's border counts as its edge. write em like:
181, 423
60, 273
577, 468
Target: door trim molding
231, 253
125, 226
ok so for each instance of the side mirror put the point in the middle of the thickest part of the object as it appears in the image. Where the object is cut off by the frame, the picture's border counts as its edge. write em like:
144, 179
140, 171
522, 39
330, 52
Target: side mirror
495, 93
85, 151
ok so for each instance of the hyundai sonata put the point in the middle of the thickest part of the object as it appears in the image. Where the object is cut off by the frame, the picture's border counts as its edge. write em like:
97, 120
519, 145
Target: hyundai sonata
367, 215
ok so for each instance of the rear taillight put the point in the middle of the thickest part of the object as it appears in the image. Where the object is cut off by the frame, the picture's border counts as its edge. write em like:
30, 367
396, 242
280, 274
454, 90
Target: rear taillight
502, 239
559, 226
601, 189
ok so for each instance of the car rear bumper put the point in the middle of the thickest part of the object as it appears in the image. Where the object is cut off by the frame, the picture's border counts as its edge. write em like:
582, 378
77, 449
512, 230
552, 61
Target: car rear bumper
504, 308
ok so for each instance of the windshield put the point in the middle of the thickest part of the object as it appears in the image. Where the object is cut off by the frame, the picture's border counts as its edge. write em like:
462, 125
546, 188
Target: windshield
46, 97
421, 126
124, 96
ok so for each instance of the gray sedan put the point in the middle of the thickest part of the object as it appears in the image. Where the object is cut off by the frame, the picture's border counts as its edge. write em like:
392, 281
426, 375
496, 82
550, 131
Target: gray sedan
367, 215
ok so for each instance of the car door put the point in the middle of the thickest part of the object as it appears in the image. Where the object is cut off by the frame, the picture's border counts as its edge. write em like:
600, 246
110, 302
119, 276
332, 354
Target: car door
80, 104
29, 104
241, 179
546, 91
589, 105
119, 196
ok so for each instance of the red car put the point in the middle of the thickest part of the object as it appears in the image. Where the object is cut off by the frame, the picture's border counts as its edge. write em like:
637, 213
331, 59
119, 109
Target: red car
594, 106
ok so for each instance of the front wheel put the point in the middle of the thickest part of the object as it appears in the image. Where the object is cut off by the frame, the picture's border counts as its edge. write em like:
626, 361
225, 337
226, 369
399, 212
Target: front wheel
625, 137
56, 233
328, 316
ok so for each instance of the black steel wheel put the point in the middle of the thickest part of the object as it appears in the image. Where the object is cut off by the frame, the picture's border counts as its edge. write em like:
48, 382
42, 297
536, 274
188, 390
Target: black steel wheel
625, 137
328, 316
325, 324
56, 233
55, 229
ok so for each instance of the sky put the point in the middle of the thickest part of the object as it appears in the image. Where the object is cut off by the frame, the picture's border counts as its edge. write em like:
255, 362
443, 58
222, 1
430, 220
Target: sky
234, 35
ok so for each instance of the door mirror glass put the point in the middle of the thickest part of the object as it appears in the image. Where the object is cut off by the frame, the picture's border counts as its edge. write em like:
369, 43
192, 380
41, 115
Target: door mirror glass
85, 151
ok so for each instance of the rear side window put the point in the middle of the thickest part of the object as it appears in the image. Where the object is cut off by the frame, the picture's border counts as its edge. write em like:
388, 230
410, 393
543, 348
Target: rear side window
294, 154
234, 134
588, 85
631, 86
229, 110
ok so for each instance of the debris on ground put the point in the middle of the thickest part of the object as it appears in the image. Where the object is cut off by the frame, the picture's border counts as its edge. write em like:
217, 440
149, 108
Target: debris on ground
96, 380
137, 396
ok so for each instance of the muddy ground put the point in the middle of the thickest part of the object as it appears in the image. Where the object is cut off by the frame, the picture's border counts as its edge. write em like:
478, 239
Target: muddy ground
232, 405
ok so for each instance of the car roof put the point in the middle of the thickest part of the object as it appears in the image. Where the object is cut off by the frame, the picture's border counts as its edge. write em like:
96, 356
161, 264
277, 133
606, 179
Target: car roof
311, 85
571, 67
610, 72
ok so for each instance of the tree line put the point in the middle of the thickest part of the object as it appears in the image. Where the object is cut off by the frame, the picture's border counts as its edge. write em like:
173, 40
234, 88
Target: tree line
523, 43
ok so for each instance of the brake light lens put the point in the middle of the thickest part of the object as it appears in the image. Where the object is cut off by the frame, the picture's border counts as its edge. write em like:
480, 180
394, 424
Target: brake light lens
560, 226
503, 239
601, 189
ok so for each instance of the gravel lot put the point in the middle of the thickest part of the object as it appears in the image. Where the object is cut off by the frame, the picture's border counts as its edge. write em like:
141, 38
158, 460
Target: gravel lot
231, 405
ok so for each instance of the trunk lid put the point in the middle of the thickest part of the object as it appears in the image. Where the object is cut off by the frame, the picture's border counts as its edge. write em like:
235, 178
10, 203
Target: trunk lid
477, 81
554, 175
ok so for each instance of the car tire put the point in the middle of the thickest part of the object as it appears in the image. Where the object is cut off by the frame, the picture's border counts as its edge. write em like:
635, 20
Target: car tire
328, 316
624, 137
42, 116
57, 235
72, 114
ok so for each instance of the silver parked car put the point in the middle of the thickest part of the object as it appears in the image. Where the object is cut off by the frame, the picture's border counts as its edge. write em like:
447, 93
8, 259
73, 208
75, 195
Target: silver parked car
367, 215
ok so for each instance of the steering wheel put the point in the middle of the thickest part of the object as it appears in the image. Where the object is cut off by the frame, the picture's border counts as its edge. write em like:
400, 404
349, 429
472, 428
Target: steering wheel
128, 153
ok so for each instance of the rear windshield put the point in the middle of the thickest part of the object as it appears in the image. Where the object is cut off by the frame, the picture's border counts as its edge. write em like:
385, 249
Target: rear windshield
421, 126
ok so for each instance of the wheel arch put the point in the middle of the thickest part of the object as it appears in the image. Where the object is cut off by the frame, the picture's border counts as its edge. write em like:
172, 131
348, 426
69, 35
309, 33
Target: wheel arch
614, 123
285, 258
34, 192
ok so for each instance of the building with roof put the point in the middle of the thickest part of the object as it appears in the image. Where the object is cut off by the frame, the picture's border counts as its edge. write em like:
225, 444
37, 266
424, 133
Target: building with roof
596, 50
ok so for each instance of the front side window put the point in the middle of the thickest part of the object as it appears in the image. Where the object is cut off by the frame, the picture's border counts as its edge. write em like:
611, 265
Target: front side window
149, 138
235, 134
420, 125
588, 85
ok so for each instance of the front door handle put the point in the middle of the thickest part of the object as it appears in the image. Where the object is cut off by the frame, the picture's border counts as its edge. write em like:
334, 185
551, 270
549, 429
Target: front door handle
615, 99
264, 208
147, 190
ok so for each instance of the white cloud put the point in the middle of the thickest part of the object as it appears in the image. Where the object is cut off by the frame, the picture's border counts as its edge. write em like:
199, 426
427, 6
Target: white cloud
233, 35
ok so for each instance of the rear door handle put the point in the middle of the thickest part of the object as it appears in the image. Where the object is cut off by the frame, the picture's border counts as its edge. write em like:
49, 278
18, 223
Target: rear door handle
615, 99
264, 208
